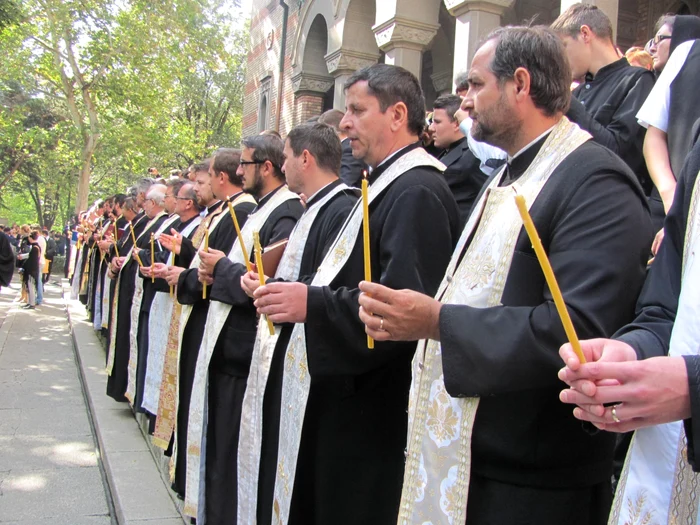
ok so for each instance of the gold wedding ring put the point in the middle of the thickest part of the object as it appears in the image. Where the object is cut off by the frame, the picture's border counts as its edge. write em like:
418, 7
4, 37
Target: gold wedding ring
613, 411
381, 325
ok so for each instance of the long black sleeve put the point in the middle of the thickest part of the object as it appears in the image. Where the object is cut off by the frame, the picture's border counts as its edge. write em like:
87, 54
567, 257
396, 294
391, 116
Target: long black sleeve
597, 242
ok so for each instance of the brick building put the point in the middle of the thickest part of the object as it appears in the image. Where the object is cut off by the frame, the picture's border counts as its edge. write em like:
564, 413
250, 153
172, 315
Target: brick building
324, 41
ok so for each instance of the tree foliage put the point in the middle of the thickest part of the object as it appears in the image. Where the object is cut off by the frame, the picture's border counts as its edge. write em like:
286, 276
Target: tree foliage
127, 84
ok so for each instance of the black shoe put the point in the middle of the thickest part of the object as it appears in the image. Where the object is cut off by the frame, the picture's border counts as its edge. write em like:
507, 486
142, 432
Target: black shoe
28, 307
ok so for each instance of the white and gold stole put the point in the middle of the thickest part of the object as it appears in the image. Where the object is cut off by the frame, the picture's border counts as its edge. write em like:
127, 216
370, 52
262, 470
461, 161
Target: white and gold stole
135, 313
115, 302
250, 439
438, 465
296, 382
216, 318
158, 328
167, 400
658, 485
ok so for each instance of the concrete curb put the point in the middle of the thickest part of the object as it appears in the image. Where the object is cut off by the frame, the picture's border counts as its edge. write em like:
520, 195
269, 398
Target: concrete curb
135, 475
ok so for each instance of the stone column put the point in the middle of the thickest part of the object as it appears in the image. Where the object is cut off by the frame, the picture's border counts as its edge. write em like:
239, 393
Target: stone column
309, 90
609, 7
404, 40
475, 20
343, 63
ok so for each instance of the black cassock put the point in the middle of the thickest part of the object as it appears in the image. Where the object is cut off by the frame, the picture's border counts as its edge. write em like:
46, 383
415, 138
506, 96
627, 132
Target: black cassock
189, 291
7, 260
351, 457
117, 382
532, 461
229, 366
322, 233
95, 270
149, 293
124, 244
84, 255
650, 333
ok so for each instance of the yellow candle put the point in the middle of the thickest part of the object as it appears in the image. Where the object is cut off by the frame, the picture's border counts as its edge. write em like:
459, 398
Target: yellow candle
206, 249
238, 233
261, 273
172, 263
153, 259
549, 276
133, 238
365, 238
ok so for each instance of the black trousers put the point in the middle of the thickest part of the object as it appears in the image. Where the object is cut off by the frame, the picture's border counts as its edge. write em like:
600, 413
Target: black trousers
495, 503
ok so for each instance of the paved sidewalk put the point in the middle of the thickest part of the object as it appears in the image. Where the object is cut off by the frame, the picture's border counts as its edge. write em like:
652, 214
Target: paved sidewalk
50, 471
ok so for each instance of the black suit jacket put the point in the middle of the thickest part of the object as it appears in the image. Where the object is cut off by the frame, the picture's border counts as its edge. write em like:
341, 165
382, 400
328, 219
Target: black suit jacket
463, 176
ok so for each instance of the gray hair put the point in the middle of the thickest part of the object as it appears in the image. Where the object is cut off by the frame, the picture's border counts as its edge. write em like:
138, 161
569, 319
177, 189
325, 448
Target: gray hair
143, 185
157, 194
189, 193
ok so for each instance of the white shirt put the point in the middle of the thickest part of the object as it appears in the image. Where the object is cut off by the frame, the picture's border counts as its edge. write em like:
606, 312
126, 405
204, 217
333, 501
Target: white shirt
481, 150
654, 111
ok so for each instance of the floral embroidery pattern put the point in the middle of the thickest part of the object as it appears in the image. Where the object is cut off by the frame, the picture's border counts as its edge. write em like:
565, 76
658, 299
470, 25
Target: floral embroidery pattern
449, 495
444, 416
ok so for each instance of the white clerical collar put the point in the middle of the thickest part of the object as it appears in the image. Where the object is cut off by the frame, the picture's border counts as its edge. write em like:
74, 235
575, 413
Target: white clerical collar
309, 199
523, 150
389, 157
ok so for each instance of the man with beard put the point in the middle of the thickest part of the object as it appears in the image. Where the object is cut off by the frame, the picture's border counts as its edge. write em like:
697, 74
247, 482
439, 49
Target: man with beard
343, 422
213, 193
109, 247
487, 432
227, 343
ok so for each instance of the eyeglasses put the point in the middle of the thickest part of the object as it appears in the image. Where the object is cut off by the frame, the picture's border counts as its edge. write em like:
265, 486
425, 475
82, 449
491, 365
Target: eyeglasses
657, 40
184, 199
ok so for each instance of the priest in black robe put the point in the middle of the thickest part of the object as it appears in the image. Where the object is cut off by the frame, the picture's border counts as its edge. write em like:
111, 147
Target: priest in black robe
610, 92
260, 171
351, 456
117, 380
7, 260
189, 291
154, 205
316, 180
523, 447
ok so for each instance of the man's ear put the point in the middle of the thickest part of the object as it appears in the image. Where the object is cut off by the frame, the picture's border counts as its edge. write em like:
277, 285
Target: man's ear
585, 34
399, 115
521, 78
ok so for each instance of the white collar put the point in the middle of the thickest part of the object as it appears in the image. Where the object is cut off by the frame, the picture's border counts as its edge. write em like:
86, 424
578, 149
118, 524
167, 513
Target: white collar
510, 159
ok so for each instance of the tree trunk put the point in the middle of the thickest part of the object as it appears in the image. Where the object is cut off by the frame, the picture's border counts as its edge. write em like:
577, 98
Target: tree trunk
81, 202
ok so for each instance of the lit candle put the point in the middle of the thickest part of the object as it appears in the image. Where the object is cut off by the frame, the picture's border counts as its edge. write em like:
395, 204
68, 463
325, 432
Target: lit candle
261, 273
549, 276
238, 233
153, 259
206, 249
133, 238
365, 238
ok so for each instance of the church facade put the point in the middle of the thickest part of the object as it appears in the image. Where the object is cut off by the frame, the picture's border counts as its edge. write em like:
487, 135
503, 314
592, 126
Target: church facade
302, 51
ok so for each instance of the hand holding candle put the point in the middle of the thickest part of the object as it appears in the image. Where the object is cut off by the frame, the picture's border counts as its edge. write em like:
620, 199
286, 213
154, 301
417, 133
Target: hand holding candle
261, 273
549, 276
238, 234
365, 239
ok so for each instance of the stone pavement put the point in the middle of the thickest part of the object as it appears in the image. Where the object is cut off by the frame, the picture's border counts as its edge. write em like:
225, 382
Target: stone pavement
69, 455
50, 471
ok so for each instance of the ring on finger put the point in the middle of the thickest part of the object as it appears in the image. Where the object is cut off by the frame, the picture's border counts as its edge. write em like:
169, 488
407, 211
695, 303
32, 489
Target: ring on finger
381, 325
613, 411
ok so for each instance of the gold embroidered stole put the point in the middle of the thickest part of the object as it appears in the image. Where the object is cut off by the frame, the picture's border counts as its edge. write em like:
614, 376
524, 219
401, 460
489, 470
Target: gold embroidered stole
438, 465
250, 438
216, 318
159, 322
296, 382
658, 485
115, 303
135, 313
167, 404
